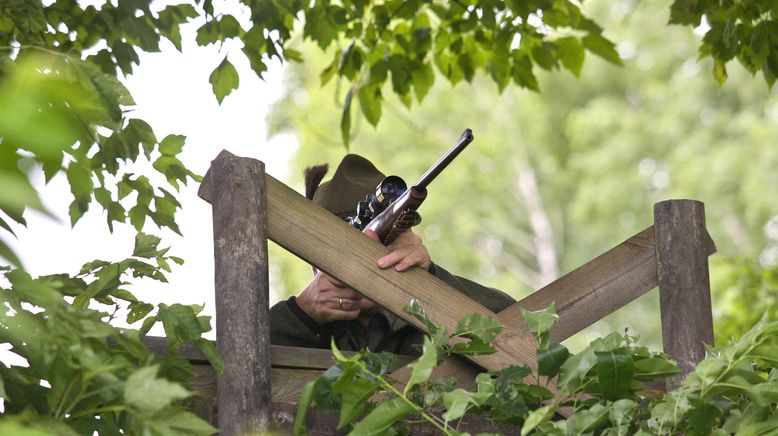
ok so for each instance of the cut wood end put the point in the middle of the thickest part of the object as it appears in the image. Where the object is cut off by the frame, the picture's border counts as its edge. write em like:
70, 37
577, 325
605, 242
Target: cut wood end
206, 186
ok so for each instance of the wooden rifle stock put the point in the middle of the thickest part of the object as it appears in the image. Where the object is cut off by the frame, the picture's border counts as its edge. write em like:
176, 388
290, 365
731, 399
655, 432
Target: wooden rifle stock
390, 223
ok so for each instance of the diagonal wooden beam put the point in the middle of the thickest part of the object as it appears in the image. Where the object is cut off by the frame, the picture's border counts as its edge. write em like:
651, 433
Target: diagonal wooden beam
599, 287
320, 238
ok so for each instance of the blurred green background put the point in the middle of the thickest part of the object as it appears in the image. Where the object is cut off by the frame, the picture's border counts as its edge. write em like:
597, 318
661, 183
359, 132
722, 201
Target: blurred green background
555, 178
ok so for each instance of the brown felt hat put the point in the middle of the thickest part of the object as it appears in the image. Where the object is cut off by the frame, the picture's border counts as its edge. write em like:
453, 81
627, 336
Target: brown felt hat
353, 180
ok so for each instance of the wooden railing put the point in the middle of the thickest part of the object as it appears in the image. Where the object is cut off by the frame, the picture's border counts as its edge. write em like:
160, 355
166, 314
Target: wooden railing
250, 207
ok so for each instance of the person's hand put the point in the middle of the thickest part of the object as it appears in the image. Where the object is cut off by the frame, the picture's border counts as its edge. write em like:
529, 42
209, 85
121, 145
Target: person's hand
407, 250
326, 299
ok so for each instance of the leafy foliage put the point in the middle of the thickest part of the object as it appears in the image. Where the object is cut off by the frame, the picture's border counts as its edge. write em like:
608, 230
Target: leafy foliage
84, 375
747, 31
600, 149
402, 43
732, 391
744, 290
53, 74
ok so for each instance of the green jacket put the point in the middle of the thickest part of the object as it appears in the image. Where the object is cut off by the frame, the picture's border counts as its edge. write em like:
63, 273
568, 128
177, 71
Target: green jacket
290, 326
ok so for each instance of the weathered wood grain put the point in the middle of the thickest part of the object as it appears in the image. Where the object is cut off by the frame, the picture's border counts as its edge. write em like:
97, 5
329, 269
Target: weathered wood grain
290, 217
241, 286
319, 237
280, 356
684, 281
597, 288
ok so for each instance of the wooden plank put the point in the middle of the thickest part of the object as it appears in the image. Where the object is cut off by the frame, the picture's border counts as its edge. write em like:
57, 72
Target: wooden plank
280, 356
287, 385
203, 387
684, 282
597, 288
451, 366
242, 302
291, 219
189, 351
318, 237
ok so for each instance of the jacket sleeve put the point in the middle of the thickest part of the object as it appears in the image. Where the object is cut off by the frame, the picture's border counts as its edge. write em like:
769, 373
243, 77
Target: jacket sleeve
491, 298
290, 326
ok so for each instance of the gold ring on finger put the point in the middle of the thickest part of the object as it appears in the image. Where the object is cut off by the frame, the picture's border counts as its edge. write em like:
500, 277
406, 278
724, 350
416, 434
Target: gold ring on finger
340, 302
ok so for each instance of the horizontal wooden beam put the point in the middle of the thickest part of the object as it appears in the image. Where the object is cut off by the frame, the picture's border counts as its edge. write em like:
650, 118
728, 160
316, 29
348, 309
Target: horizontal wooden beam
280, 356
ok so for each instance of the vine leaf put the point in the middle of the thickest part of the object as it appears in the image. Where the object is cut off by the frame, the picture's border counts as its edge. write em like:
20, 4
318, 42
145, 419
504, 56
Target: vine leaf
149, 393
614, 372
345, 118
551, 359
224, 80
653, 368
537, 417
382, 417
422, 368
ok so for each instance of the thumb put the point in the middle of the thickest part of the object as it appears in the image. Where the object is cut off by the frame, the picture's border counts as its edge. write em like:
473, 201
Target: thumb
372, 234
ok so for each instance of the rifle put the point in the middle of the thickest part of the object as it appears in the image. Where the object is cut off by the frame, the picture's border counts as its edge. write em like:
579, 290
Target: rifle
392, 209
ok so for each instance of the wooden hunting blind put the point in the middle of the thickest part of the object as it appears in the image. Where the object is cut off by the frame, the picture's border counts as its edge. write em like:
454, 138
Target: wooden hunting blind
262, 382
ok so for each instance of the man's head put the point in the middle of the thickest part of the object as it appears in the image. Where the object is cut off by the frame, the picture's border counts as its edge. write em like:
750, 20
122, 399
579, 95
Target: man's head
354, 178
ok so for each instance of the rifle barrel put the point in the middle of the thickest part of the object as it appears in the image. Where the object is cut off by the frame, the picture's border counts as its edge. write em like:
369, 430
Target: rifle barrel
442, 163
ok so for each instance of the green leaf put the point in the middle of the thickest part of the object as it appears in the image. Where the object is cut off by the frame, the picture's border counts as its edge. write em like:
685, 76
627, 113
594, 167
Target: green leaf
422, 368
370, 101
80, 179
473, 347
329, 72
423, 78
762, 394
213, 31
172, 145
653, 368
9, 255
382, 417
621, 415
603, 48
456, 403
587, 420
354, 399
720, 71
768, 427
703, 417
614, 372
111, 92
572, 54
180, 323
146, 246
150, 394
303, 404
183, 422
400, 66
224, 79
138, 311
767, 353
345, 119
319, 26
476, 326
208, 348
148, 323
414, 309
537, 417
540, 321
551, 359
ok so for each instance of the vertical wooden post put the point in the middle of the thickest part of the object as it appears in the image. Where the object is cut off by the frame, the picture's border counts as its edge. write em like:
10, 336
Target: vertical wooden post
241, 270
684, 282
